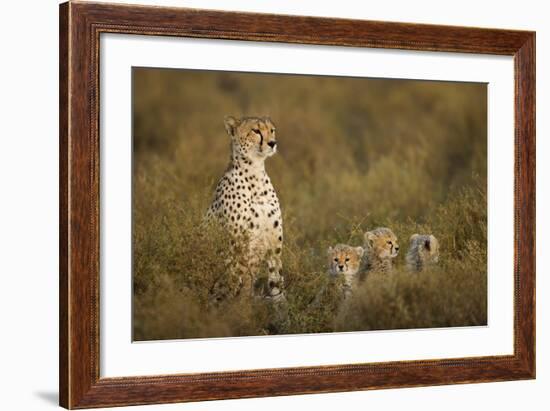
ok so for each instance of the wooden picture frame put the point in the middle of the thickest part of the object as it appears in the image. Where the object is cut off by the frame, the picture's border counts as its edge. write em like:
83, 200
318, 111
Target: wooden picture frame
80, 27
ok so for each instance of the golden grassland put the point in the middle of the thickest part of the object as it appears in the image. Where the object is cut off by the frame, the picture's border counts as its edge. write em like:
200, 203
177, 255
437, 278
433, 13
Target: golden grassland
353, 154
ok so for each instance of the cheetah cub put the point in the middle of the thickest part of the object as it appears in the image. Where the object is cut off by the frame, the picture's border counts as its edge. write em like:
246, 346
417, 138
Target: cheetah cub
345, 260
381, 247
423, 252
246, 204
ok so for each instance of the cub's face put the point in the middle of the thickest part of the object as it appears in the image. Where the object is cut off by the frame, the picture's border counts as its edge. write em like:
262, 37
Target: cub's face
344, 259
382, 242
253, 137
427, 247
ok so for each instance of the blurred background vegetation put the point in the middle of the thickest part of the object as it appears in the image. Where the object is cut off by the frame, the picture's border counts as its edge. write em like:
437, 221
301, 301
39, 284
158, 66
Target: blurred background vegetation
354, 154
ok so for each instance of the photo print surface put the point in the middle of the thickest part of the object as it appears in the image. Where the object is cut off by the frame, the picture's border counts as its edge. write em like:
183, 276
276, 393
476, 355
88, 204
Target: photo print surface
271, 204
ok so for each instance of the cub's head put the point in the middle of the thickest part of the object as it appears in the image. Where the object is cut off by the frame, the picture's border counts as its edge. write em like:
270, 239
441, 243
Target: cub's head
344, 259
252, 137
381, 243
426, 247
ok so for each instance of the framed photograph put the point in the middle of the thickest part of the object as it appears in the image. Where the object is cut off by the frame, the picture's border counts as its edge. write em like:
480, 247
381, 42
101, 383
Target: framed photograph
259, 205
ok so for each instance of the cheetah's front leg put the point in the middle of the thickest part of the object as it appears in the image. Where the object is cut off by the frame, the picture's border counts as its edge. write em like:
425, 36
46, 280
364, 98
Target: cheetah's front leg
275, 283
275, 280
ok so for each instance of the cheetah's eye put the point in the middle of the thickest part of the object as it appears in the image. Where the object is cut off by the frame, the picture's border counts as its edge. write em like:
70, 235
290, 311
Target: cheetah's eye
389, 242
335, 260
347, 259
257, 131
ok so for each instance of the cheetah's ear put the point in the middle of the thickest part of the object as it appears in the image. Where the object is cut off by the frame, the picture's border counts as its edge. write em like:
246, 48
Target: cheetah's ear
433, 241
360, 251
427, 243
329, 250
369, 239
231, 123
413, 237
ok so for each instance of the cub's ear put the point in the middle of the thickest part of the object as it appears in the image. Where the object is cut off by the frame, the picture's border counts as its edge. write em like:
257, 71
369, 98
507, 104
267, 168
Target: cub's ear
231, 123
413, 237
369, 239
427, 243
433, 241
360, 251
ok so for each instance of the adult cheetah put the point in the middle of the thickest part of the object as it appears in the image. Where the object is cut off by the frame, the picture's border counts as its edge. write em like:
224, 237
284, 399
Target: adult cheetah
246, 204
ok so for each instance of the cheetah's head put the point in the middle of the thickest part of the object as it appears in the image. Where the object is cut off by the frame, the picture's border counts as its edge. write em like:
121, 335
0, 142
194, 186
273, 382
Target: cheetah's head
252, 137
382, 243
426, 246
344, 259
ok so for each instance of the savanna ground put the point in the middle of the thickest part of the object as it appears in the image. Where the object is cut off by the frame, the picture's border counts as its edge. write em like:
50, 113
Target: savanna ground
354, 154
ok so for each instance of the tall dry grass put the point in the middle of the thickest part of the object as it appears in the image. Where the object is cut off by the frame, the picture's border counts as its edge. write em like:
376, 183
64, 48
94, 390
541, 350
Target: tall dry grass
353, 154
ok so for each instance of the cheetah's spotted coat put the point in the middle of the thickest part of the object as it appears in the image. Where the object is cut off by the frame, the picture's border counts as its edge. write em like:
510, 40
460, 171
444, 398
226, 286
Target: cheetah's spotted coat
246, 203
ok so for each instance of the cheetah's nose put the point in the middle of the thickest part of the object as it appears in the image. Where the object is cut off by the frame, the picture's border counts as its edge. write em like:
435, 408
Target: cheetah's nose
341, 267
272, 143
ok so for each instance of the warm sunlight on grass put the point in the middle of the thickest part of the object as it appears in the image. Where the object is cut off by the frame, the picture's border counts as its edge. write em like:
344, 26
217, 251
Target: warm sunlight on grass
354, 154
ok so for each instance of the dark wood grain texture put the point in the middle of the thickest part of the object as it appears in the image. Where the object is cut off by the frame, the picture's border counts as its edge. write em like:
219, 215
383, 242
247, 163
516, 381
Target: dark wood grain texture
80, 27
63, 205
525, 203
